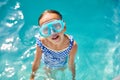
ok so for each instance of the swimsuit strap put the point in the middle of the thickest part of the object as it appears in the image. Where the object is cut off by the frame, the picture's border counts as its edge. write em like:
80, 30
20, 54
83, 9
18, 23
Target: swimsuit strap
71, 42
39, 43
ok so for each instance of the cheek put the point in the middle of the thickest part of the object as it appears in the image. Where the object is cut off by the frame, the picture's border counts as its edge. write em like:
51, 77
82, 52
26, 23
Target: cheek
61, 33
63, 30
49, 39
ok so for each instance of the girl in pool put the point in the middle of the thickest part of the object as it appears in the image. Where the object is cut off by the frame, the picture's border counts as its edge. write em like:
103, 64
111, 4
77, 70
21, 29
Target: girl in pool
54, 48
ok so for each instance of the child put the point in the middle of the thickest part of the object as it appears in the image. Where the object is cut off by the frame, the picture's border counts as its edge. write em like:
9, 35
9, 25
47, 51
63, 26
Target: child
54, 48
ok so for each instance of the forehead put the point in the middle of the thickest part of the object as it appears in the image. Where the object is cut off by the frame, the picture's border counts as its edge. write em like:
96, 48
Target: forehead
48, 17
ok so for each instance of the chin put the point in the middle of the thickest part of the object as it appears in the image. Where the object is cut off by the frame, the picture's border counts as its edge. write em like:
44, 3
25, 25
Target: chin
56, 40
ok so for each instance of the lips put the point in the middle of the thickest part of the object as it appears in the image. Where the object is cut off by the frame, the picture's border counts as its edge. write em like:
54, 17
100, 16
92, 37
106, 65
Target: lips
55, 37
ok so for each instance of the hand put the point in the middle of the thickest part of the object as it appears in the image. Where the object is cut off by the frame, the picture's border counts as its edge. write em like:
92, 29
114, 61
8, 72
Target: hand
73, 78
31, 78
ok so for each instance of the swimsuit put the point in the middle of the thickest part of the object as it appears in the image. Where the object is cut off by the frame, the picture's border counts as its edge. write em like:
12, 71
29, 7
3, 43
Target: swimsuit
55, 59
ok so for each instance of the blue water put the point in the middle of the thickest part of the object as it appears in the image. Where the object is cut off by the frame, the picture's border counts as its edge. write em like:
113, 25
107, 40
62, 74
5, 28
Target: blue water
95, 25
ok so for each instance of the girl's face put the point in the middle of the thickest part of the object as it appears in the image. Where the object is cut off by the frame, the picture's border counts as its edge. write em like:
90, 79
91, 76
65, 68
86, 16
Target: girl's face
55, 37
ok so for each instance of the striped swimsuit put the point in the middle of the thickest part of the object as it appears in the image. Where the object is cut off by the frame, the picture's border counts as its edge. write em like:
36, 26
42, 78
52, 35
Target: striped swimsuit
55, 59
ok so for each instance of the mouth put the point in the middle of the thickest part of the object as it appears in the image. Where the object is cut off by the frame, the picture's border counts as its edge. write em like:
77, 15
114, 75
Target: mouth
55, 37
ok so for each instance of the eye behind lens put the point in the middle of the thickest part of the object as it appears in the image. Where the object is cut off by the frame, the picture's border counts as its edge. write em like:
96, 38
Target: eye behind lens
44, 33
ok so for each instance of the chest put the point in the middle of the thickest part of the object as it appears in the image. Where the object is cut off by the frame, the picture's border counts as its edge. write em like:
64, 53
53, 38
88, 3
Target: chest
55, 55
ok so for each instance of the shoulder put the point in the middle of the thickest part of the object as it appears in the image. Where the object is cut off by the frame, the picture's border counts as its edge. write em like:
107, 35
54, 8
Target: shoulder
74, 49
39, 42
75, 46
74, 42
73, 52
40, 39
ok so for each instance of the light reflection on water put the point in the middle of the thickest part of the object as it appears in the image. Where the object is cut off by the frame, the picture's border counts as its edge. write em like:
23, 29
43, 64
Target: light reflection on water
97, 58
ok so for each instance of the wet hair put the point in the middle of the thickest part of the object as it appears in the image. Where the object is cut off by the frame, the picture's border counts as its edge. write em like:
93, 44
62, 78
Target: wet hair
49, 11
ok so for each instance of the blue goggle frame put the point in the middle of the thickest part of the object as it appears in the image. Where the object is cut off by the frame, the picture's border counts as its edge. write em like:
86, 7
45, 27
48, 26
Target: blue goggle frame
51, 27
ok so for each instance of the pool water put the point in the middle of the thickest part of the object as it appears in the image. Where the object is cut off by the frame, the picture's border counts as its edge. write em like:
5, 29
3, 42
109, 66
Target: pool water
95, 25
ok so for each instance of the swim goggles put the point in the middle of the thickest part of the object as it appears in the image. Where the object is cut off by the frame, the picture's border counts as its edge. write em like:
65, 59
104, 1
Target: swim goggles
51, 27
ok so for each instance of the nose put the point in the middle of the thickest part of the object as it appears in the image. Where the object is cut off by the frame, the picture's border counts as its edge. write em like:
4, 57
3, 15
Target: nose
52, 31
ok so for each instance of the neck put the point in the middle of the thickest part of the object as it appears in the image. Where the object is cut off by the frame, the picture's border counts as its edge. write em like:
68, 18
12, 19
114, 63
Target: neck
58, 45
63, 41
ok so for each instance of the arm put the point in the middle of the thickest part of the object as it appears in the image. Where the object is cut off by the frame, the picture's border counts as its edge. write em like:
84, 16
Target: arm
71, 60
36, 62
